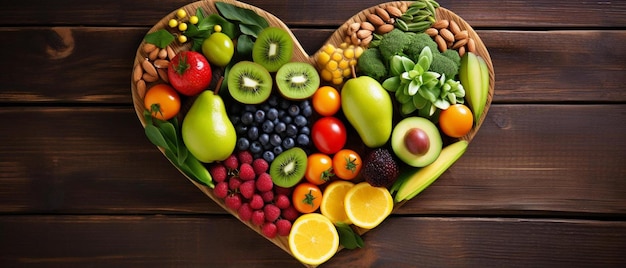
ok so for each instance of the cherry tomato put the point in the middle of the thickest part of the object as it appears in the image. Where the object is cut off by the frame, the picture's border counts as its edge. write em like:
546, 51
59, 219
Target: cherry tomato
326, 101
347, 164
319, 168
162, 101
306, 197
329, 135
456, 121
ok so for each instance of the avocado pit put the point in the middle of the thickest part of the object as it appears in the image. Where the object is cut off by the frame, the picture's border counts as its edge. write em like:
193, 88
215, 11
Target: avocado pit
416, 141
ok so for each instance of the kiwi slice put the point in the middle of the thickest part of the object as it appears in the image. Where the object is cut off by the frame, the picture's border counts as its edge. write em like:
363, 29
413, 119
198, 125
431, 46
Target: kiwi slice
288, 168
249, 83
272, 48
297, 80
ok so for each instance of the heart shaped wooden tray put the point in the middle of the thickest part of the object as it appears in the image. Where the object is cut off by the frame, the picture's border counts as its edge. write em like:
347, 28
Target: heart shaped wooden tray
301, 55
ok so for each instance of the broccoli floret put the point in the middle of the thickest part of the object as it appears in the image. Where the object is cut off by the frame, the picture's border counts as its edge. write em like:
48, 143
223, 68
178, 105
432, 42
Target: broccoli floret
418, 42
394, 43
370, 63
443, 65
453, 55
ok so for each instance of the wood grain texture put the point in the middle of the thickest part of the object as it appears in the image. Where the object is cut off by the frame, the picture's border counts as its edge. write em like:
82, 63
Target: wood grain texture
528, 13
198, 241
564, 159
585, 66
541, 185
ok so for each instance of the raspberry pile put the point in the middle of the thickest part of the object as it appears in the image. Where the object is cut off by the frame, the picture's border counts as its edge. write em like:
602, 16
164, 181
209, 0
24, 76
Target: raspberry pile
246, 187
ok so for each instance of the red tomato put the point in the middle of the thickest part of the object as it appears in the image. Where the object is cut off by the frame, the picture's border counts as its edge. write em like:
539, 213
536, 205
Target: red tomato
307, 197
162, 101
326, 101
347, 164
329, 135
189, 73
456, 121
319, 168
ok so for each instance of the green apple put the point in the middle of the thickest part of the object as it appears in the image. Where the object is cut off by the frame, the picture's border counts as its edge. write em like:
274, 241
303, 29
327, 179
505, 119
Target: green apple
218, 49
368, 108
207, 131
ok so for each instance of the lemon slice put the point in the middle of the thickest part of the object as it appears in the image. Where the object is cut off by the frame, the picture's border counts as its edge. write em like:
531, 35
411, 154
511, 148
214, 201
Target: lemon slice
313, 239
332, 201
367, 206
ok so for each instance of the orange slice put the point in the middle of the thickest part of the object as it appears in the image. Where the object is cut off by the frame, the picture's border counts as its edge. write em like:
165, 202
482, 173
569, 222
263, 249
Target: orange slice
332, 201
367, 206
313, 239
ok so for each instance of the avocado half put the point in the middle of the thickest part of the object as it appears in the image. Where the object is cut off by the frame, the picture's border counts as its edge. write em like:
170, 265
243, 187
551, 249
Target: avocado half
416, 141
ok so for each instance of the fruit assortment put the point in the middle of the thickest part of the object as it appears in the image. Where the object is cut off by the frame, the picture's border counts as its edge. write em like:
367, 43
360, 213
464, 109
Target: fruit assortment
312, 152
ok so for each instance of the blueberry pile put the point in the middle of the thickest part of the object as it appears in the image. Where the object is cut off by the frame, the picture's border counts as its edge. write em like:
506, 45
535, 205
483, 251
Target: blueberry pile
269, 128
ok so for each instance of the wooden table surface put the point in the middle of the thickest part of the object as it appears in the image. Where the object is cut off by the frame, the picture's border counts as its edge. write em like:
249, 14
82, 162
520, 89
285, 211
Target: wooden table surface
542, 184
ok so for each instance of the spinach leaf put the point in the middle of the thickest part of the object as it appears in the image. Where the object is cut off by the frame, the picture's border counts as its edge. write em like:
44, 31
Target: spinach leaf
243, 15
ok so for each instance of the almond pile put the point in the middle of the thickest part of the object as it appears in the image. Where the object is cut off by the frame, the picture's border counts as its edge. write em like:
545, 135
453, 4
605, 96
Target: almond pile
380, 20
152, 67
448, 35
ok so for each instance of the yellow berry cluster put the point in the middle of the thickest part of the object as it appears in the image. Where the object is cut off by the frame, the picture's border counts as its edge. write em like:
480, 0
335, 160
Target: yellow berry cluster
180, 24
335, 63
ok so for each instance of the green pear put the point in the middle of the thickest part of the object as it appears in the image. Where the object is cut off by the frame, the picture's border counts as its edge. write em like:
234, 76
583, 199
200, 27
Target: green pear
367, 106
207, 132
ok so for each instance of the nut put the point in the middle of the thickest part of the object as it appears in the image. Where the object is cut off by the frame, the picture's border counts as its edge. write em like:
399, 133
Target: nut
367, 26
353, 28
385, 28
461, 35
153, 54
461, 51
393, 11
432, 32
170, 52
162, 53
471, 45
454, 28
441, 43
440, 24
366, 41
382, 14
375, 20
137, 72
147, 48
446, 34
163, 75
150, 78
459, 43
161, 64
149, 68
141, 88
361, 34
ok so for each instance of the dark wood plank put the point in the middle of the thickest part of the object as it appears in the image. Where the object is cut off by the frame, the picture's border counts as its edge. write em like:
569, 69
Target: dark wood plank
218, 241
481, 13
93, 65
526, 159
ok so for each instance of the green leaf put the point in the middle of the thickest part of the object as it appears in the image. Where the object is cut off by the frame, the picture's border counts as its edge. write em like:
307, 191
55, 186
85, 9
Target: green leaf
392, 83
154, 135
347, 237
419, 101
395, 66
252, 30
243, 15
414, 87
429, 94
407, 108
407, 63
441, 104
244, 46
161, 38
